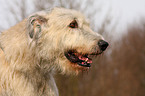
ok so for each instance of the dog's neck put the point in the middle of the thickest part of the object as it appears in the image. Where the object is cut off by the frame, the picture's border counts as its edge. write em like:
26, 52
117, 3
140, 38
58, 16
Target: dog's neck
22, 62
39, 76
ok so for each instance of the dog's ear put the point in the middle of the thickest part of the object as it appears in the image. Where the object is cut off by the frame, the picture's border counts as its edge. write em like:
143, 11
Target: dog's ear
35, 25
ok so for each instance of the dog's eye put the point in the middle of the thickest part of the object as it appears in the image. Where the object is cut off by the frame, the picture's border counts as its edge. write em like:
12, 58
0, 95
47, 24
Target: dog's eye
73, 24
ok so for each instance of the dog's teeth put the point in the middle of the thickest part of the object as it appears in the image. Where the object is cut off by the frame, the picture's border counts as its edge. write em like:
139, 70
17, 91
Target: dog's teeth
89, 61
86, 59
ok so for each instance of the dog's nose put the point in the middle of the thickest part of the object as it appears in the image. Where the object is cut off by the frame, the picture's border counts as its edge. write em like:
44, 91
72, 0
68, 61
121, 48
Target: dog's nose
102, 45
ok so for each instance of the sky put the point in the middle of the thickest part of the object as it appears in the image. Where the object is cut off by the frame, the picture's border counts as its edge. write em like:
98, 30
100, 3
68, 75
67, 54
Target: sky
122, 14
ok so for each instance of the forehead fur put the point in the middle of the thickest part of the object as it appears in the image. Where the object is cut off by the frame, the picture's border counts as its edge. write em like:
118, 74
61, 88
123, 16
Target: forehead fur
67, 13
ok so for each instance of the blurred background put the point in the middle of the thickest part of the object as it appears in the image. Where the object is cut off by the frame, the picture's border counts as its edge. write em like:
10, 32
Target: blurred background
120, 70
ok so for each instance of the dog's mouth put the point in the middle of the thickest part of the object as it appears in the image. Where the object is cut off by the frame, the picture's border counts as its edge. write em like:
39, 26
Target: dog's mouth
80, 59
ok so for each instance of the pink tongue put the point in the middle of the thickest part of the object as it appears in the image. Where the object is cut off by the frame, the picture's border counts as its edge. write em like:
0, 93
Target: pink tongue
85, 59
89, 61
82, 58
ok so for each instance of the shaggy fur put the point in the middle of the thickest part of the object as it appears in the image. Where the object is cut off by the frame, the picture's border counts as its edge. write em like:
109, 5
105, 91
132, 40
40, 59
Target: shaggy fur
32, 50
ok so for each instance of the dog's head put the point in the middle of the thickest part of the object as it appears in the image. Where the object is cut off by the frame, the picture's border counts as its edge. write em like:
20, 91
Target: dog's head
64, 38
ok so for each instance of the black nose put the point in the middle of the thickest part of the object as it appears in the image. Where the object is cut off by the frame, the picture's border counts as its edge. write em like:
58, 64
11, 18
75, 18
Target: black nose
102, 45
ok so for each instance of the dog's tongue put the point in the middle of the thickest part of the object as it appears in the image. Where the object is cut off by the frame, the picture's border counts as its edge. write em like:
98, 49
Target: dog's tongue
86, 59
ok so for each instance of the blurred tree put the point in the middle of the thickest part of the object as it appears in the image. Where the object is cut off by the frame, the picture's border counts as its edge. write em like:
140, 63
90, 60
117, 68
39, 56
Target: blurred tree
18, 9
43, 4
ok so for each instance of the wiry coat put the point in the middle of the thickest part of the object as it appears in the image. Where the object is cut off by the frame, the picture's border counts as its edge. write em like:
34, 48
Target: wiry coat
33, 49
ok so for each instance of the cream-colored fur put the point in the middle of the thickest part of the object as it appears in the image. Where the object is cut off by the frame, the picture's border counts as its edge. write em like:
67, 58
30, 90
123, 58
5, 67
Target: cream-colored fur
32, 50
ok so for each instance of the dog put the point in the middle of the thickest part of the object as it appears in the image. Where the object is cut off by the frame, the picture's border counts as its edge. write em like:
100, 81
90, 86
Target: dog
52, 40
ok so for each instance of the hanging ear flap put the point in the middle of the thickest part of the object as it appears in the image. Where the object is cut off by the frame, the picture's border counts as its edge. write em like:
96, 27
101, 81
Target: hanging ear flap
35, 25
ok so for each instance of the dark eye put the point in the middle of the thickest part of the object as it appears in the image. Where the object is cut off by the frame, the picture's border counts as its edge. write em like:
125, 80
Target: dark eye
73, 24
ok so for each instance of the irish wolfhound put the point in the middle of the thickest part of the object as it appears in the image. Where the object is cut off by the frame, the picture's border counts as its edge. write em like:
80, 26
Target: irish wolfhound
31, 51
